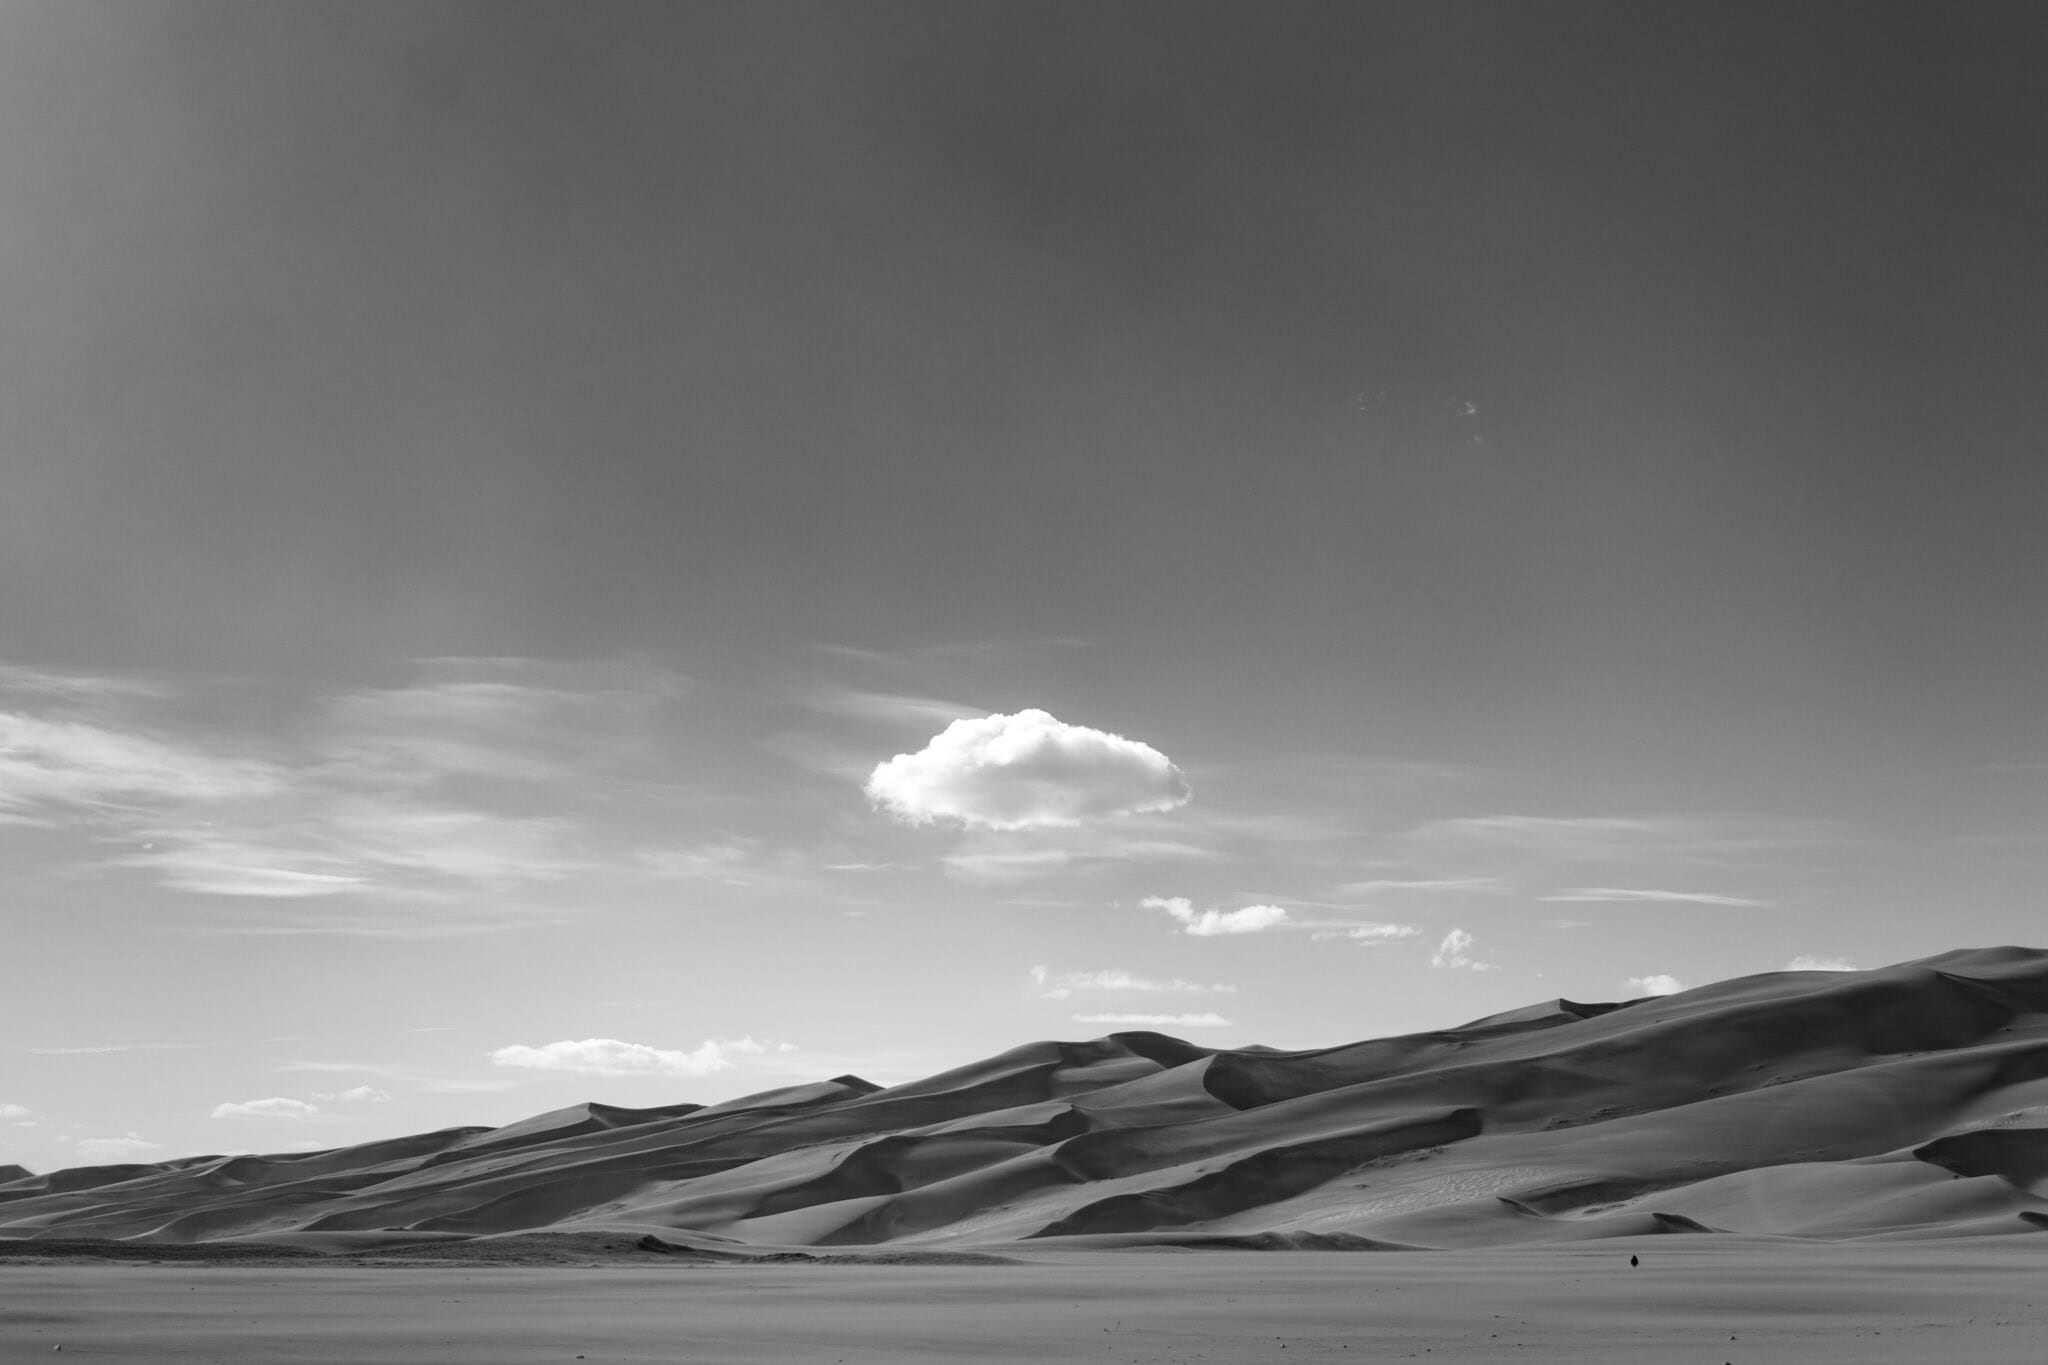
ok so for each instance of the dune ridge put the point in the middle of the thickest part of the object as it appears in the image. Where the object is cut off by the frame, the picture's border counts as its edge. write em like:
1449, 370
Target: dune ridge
1905, 1102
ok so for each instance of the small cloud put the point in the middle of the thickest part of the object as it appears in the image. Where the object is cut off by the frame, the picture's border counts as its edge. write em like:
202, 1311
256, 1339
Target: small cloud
722, 860
276, 1107
1660, 984
305, 1145
1155, 1020
1008, 865
1804, 963
116, 1149
1252, 919
1369, 933
359, 1094
610, 1057
1455, 952
1025, 771
1116, 979
15, 1111
227, 867
1616, 893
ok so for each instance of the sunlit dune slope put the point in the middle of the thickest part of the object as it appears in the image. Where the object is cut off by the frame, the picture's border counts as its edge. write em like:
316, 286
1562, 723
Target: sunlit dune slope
1906, 1102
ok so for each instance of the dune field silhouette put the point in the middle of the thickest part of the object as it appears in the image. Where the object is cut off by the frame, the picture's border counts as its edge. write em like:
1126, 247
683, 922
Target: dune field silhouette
1906, 1102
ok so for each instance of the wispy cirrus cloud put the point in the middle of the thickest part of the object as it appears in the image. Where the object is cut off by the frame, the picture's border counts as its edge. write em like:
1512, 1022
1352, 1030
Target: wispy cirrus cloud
75, 686
1370, 932
512, 719
1616, 893
96, 1049
54, 768
736, 861
1619, 838
1060, 985
611, 1057
1425, 886
988, 858
473, 778
1155, 1020
356, 1094
887, 708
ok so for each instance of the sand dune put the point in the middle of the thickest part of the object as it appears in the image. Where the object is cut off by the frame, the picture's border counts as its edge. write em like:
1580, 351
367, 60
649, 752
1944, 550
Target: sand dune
1906, 1102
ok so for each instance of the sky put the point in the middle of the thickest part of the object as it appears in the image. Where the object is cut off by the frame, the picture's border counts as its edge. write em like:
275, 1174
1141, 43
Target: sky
646, 553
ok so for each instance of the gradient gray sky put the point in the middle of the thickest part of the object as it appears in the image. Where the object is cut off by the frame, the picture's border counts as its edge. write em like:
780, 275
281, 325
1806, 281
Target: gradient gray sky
1557, 492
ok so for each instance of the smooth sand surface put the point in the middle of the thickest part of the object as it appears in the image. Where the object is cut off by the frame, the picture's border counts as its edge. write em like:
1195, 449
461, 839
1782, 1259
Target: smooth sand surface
1692, 1299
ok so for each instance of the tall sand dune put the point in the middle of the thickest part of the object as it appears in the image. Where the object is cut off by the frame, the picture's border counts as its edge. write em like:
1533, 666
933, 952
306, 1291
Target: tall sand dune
1910, 1101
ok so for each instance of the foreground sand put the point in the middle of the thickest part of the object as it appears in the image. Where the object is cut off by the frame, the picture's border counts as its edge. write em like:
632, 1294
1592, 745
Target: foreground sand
1701, 1299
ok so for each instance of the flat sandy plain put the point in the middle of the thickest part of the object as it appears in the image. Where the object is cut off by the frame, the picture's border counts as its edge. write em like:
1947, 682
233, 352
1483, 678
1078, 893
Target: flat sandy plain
1693, 1299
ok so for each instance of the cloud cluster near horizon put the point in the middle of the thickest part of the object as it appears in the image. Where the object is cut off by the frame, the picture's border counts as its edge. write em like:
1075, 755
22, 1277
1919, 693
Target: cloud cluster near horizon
1025, 771
1155, 1020
275, 1107
1263, 918
358, 1094
1115, 979
610, 1057
115, 1149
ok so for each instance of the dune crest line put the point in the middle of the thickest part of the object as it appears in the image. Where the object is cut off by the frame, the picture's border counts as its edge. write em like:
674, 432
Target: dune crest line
1908, 1101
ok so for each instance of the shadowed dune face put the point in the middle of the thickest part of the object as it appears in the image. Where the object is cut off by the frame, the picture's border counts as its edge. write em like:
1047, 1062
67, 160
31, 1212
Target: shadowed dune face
1905, 1102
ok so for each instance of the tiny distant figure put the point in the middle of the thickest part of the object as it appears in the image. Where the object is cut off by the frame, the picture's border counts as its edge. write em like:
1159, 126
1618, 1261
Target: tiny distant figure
1632, 1261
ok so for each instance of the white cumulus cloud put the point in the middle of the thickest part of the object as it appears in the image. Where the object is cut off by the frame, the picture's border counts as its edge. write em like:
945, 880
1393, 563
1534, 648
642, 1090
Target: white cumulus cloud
276, 1107
610, 1057
1155, 1020
1026, 771
1661, 983
14, 1111
1804, 963
129, 1148
1252, 919
1456, 951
